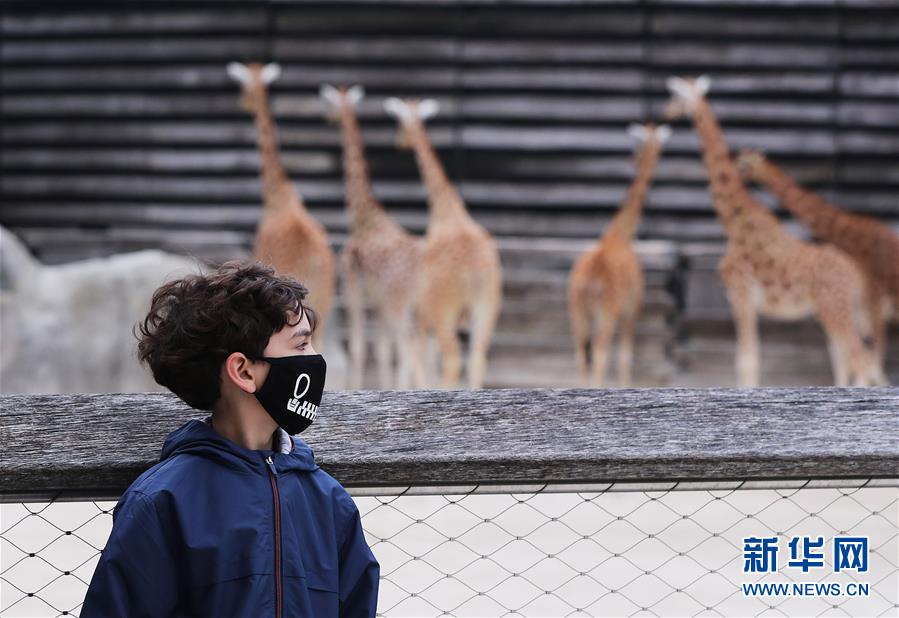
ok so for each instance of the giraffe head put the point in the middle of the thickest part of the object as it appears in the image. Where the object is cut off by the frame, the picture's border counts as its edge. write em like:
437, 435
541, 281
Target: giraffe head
685, 95
254, 78
338, 99
411, 115
751, 165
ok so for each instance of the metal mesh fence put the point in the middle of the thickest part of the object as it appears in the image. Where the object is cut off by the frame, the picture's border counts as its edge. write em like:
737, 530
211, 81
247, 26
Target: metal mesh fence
587, 550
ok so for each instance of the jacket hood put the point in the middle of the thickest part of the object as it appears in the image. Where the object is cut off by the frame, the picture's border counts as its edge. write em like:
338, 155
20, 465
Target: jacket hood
196, 437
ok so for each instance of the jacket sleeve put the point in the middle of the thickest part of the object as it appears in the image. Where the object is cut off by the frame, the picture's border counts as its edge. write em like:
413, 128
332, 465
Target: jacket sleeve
136, 574
359, 571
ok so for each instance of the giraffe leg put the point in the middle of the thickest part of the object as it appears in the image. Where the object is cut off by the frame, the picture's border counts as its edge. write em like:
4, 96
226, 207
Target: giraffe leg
579, 318
626, 342
841, 299
737, 285
847, 355
384, 352
432, 356
321, 294
450, 354
447, 327
837, 354
483, 316
604, 321
356, 314
404, 338
852, 361
419, 343
876, 309
746, 319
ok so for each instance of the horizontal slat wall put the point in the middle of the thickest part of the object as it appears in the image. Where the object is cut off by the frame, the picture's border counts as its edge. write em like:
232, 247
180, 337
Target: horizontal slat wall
122, 131
127, 109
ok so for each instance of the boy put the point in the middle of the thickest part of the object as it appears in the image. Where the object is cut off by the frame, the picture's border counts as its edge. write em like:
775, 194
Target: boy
236, 519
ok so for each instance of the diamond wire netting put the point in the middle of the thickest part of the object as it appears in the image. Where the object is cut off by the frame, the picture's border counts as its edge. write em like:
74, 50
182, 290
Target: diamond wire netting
607, 550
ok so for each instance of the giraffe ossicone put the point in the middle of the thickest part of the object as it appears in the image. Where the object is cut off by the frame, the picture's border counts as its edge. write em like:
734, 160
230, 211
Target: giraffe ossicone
270, 72
239, 73
643, 133
407, 110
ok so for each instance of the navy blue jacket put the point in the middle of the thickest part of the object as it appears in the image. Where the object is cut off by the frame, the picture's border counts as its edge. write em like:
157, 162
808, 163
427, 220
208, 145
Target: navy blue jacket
213, 529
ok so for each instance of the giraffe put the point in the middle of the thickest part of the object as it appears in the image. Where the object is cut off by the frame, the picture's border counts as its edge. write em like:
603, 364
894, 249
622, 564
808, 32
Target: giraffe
605, 288
461, 266
871, 243
287, 238
380, 260
766, 271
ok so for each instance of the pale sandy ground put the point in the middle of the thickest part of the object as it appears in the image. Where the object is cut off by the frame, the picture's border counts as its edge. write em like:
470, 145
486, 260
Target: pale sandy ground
678, 553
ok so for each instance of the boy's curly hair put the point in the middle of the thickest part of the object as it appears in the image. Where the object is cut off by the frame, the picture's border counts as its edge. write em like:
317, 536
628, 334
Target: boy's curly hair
195, 323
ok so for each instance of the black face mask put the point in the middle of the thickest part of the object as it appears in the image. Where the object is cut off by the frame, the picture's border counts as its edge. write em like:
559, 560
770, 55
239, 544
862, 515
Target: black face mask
292, 390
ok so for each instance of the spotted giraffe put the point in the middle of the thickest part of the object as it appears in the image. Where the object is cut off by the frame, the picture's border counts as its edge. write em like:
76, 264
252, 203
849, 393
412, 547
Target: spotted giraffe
605, 288
461, 267
766, 271
871, 243
288, 237
380, 261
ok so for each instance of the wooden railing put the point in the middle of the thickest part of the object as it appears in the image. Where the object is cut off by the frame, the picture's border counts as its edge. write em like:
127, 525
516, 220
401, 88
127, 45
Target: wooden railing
70, 446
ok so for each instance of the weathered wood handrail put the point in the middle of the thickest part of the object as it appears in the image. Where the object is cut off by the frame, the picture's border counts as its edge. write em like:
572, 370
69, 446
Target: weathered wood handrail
95, 445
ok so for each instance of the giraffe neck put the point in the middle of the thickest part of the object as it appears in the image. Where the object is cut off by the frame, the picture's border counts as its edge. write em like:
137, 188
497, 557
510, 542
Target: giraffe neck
624, 224
445, 203
360, 198
733, 203
822, 217
276, 187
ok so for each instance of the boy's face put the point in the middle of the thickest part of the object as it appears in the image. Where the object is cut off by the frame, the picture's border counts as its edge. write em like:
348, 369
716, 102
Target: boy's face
239, 372
291, 340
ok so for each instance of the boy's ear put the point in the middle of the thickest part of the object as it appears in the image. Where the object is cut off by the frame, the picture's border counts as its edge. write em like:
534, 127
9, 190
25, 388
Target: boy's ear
242, 372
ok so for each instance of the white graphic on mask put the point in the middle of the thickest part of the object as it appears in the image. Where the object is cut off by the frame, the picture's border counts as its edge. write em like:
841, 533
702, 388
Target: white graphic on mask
303, 408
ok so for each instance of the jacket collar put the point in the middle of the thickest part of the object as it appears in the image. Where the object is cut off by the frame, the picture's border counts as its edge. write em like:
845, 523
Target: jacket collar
197, 437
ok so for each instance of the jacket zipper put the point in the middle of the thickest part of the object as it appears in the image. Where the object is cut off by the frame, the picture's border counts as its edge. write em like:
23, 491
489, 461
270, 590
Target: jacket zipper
272, 474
